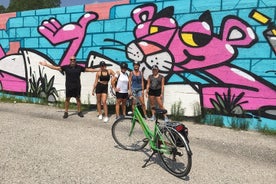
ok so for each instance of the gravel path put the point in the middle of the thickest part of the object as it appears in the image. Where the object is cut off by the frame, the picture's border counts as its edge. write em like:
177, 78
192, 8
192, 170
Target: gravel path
38, 146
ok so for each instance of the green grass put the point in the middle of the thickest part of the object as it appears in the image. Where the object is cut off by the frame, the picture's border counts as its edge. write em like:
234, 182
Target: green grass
265, 130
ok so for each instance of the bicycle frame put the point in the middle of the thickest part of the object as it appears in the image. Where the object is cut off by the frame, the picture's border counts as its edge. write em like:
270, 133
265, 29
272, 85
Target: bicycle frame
150, 135
164, 140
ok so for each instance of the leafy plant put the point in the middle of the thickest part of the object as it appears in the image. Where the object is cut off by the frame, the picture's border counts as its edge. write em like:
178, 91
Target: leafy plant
35, 86
42, 87
228, 104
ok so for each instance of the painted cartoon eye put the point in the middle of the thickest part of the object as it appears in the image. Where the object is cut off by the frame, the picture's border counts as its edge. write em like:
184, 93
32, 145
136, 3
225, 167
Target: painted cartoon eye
157, 29
153, 29
195, 39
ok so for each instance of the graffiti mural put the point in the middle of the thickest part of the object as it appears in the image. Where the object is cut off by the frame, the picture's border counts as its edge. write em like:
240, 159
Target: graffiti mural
194, 47
203, 60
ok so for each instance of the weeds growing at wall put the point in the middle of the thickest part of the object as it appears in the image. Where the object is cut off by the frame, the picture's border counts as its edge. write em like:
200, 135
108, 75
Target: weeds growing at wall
214, 120
239, 123
177, 112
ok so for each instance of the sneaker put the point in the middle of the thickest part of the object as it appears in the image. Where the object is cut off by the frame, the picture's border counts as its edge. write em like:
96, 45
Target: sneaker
152, 118
166, 119
80, 114
100, 116
129, 113
105, 119
117, 117
65, 115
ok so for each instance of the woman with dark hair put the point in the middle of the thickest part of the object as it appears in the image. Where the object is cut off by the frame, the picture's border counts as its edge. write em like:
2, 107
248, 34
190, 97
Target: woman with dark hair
120, 86
136, 85
155, 91
101, 88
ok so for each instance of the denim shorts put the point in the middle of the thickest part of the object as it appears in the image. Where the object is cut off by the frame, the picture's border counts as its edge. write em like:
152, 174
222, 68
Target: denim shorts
137, 92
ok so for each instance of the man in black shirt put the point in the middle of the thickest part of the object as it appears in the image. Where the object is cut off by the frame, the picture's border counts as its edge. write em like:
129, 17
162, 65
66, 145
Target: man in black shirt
72, 82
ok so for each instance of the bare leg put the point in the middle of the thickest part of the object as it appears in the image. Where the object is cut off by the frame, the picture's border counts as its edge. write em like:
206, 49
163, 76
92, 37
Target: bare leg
142, 101
104, 97
117, 106
66, 104
160, 104
99, 108
151, 99
124, 106
78, 104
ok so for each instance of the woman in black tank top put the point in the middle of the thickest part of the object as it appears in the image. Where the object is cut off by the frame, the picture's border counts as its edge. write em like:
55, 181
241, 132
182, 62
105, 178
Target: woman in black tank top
101, 88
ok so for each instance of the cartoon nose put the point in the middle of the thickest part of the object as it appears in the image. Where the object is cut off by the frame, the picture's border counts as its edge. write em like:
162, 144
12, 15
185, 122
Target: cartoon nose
148, 48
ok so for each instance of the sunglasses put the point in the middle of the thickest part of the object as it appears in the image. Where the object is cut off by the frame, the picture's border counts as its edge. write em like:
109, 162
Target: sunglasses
72, 59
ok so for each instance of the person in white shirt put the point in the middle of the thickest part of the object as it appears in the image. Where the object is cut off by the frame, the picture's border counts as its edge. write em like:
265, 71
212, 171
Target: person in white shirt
120, 86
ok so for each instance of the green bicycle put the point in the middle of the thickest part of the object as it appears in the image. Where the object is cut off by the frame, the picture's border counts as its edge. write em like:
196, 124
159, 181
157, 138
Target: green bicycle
133, 133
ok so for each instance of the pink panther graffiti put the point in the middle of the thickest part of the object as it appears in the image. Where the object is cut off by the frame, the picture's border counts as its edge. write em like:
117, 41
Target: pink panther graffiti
195, 47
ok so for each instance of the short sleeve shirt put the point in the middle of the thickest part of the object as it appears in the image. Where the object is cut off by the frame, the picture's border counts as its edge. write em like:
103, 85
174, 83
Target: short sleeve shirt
122, 82
155, 83
72, 75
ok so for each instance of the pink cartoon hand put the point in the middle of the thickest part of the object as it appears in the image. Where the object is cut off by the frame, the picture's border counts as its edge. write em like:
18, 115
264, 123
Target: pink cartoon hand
56, 33
73, 32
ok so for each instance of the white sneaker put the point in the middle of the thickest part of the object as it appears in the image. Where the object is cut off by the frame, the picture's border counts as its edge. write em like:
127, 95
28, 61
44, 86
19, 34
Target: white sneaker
166, 119
100, 116
105, 119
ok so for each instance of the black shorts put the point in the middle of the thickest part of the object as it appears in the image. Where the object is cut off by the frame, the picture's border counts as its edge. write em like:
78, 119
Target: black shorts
101, 88
154, 92
122, 95
73, 92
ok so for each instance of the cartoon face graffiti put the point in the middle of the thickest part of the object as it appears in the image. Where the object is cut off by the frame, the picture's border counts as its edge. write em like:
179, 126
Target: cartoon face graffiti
194, 47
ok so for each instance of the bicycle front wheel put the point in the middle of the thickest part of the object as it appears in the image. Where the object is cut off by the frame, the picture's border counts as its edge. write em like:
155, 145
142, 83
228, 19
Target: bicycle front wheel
128, 134
175, 152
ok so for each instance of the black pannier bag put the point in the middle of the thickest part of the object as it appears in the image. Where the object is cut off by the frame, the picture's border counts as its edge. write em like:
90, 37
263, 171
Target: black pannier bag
182, 129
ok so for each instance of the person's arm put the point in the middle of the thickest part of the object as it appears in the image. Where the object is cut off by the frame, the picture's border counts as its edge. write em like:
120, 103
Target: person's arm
148, 85
91, 70
143, 87
162, 86
111, 72
44, 63
130, 83
95, 83
113, 81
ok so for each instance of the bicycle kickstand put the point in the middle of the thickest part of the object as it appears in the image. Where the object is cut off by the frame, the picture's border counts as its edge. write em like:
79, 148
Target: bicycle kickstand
149, 159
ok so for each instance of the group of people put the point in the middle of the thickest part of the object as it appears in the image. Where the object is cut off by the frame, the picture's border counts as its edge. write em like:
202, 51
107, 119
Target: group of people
123, 84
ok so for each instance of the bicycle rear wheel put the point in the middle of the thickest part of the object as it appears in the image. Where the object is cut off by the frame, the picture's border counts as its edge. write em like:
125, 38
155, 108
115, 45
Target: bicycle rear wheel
177, 159
128, 134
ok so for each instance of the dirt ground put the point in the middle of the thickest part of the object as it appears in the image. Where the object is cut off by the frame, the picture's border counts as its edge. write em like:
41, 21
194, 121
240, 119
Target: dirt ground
38, 146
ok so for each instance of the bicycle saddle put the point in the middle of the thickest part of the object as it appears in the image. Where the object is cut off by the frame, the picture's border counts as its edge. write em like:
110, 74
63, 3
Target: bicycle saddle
159, 111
